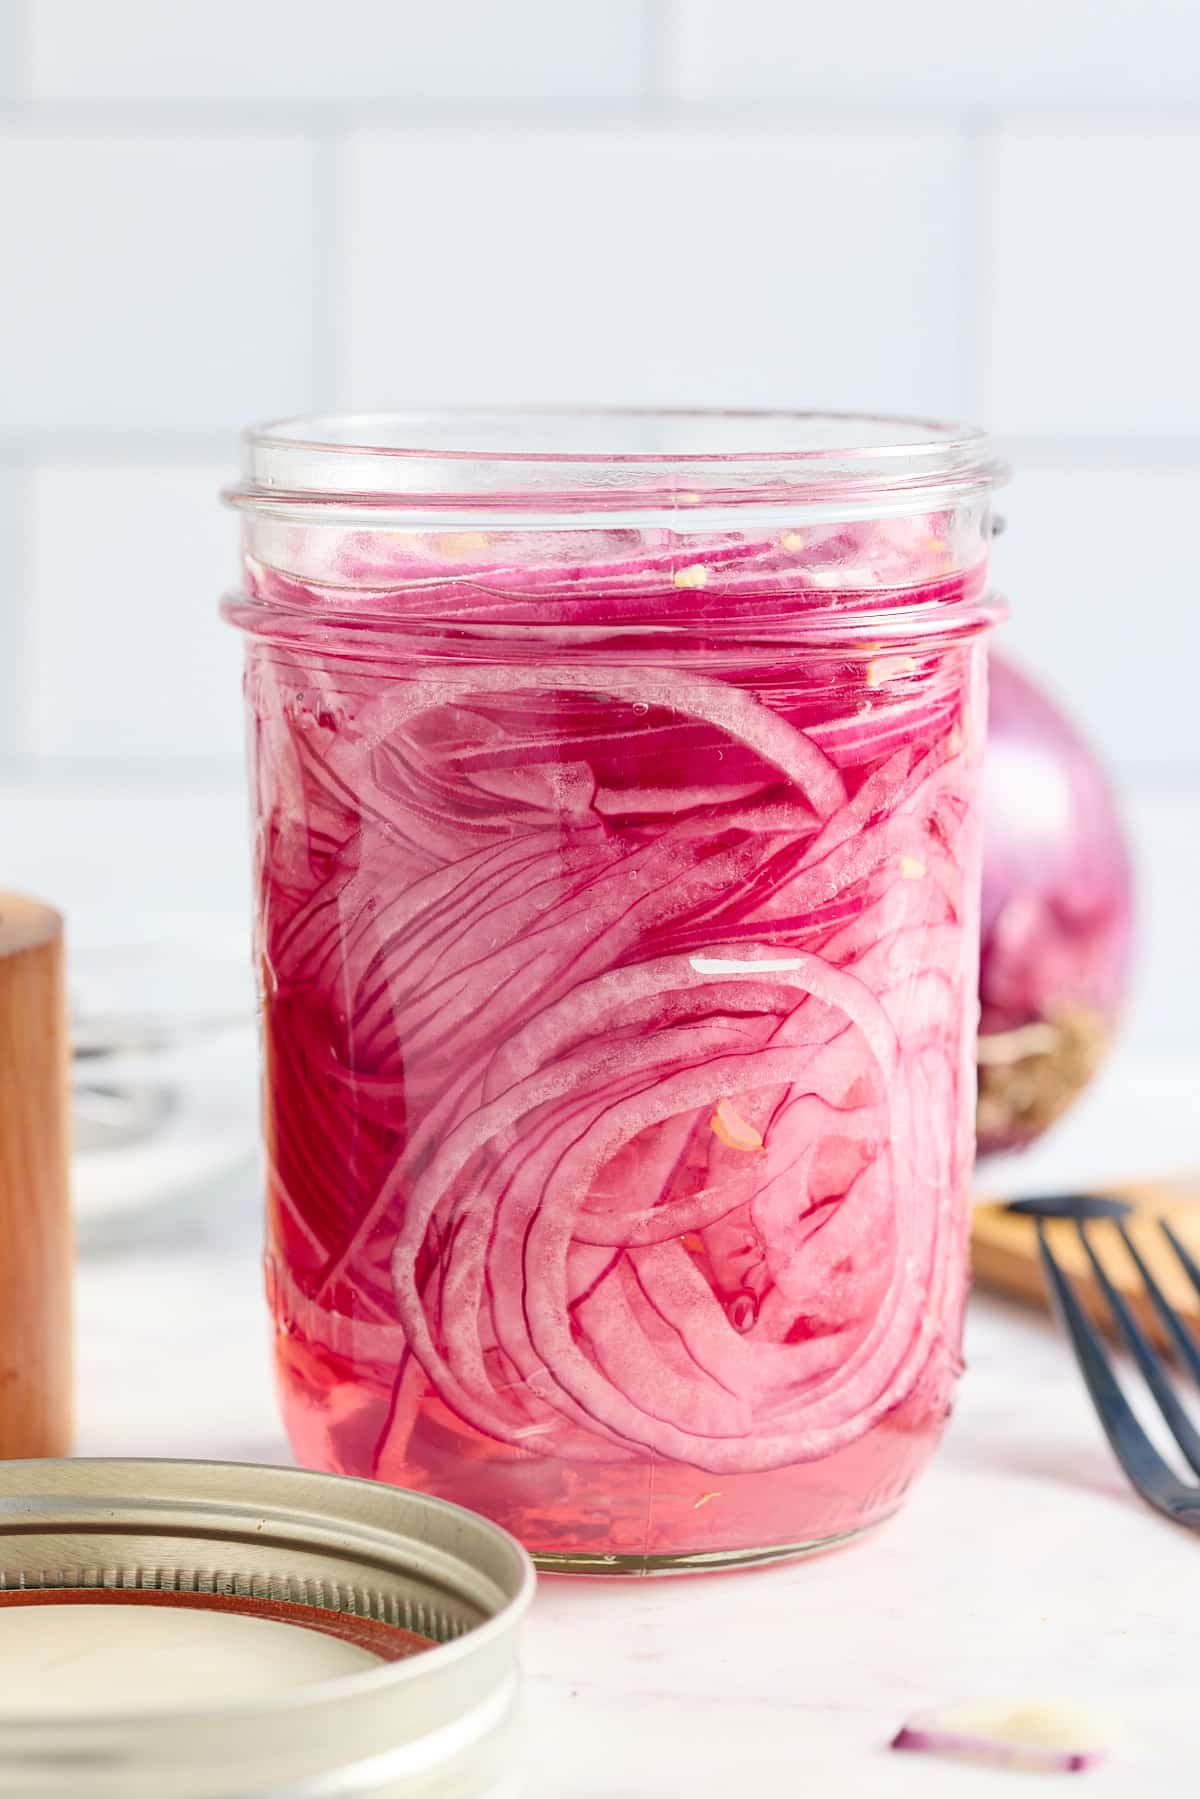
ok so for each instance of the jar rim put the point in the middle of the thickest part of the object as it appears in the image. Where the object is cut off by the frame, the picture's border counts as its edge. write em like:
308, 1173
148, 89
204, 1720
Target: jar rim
551, 459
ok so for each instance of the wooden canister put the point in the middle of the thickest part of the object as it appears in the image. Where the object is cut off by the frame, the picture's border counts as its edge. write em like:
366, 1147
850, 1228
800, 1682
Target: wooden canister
35, 1219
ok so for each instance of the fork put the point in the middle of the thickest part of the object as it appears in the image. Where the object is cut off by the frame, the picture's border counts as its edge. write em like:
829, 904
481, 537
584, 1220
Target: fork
1154, 1479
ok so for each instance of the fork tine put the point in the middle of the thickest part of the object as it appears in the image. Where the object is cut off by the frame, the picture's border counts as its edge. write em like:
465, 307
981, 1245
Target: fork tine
1173, 1324
1186, 1259
1152, 1477
1147, 1357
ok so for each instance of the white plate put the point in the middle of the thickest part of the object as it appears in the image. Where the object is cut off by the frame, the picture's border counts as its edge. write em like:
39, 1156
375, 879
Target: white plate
184, 984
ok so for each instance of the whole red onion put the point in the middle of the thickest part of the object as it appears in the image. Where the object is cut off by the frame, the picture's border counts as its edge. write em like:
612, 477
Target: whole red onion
1057, 915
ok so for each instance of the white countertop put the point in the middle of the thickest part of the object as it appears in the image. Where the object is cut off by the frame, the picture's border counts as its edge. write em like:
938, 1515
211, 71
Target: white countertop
1021, 1566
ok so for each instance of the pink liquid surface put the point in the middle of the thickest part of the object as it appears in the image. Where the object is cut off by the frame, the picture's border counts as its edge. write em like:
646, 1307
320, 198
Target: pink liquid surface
618, 926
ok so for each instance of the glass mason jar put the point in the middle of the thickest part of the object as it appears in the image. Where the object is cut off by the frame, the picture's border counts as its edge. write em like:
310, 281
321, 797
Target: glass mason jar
615, 790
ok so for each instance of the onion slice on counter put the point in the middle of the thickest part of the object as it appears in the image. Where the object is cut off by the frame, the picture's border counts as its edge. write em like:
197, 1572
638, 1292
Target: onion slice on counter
1052, 1739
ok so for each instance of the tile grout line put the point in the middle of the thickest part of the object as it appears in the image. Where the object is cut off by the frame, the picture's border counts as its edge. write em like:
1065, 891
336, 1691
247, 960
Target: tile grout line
16, 687
1100, 454
660, 56
128, 775
331, 196
23, 49
801, 114
116, 449
976, 269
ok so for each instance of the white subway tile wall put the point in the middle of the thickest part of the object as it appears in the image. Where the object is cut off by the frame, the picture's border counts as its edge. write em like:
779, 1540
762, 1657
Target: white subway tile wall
218, 212
305, 52
132, 558
127, 842
1095, 282
1098, 569
154, 281
1055, 52
669, 267
12, 51
14, 501
1164, 823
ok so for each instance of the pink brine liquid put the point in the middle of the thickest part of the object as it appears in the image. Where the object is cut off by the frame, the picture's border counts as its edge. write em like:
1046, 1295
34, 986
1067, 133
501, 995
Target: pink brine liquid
617, 922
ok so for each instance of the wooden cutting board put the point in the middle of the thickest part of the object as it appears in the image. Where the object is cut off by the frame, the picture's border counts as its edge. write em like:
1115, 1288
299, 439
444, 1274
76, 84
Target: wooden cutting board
1004, 1251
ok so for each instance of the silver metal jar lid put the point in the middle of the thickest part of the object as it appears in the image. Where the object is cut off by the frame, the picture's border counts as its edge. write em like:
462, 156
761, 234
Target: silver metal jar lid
439, 1722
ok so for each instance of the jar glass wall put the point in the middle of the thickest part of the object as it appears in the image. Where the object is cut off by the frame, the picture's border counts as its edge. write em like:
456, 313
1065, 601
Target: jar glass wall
616, 811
